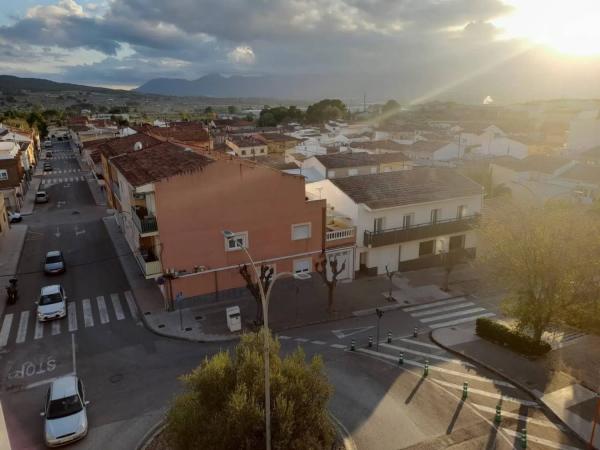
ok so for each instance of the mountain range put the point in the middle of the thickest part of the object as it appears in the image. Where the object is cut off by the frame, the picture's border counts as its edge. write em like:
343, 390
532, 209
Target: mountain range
10, 84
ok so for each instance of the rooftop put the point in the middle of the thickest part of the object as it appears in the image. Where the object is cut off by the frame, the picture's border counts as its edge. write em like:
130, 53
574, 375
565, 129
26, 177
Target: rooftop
426, 146
357, 159
118, 146
158, 162
407, 187
245, 141
532, 163
379, 145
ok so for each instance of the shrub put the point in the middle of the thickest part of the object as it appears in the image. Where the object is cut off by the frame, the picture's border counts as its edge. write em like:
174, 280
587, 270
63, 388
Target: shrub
503, 335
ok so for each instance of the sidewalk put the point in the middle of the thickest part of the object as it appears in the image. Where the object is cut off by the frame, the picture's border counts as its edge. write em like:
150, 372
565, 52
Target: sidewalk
559, 393
11, 244
98, 194
29, 199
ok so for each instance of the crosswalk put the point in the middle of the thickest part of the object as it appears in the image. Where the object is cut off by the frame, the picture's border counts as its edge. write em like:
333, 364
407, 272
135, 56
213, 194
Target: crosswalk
450, 373
55, 180
64, 171
446, 313
55, 157
87, 313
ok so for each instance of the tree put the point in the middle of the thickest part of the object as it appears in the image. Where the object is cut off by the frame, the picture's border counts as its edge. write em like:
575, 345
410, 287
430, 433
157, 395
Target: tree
326, 110
390, 274
222, 406
231, 109
545, 257
266, 276
332, 280
391, 106
208, 110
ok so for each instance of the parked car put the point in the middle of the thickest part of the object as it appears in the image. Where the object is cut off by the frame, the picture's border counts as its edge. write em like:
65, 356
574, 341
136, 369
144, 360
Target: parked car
47, 167
47, 143
65, 412
54, 263
41, 197
14, 217
48, 154
52, 303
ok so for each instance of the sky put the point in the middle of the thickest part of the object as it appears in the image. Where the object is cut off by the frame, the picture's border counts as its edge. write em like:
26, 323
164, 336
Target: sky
540, 46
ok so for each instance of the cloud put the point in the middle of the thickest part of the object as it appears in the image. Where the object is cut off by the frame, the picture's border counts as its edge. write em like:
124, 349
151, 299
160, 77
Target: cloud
242, 55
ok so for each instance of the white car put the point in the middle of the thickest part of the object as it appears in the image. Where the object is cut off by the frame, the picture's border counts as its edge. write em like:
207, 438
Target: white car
65, 415
52, 303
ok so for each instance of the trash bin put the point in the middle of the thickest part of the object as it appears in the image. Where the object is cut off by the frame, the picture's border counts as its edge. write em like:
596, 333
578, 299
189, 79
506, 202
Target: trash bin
234, 318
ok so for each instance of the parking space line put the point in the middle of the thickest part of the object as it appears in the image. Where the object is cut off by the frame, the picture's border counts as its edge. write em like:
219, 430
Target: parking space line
5, 331
88, 319
55, 327
318, 342
114, 298
338, 346
301, 340
72, 313
39, 330
22, 331
131, 304
102, 308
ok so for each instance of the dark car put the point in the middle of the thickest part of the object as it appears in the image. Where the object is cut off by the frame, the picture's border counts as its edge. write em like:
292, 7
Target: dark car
55, 263
47, 167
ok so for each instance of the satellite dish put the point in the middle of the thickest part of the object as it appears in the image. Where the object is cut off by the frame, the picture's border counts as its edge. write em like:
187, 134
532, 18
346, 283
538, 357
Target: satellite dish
137, 146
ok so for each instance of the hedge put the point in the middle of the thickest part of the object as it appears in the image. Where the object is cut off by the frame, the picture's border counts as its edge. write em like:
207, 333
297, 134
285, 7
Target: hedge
503, 335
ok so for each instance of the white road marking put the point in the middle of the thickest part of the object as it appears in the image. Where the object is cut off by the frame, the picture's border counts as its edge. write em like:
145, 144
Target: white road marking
423, 344
72, 315
453, 314
301, 340
88, 318
22, 331
431, 305
102, 308
132, 306
55, 327
542, 423
459, 321
442, 309
318, 342
343, 333
73, 350
427, 355
5, 331
283, 338
489, 394
43, 382
541, 441
337, 346
39, 330
114, 298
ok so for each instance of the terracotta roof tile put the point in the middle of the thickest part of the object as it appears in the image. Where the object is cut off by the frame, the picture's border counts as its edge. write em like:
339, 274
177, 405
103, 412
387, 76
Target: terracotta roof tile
118, 146
358, 159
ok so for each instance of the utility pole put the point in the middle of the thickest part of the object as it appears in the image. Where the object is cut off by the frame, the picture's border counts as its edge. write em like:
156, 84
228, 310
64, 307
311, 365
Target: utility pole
379, 314
365, 102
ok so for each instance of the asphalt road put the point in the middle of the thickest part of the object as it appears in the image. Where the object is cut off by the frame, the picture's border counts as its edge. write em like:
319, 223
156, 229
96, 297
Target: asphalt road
131, 374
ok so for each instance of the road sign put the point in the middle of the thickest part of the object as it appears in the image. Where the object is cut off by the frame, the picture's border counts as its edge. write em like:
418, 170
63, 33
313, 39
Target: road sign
344, 333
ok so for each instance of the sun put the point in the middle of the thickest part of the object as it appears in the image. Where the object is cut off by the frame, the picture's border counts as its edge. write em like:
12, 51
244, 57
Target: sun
567, 26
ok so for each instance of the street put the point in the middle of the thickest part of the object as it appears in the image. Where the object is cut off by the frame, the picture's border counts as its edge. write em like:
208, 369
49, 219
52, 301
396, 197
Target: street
131, 374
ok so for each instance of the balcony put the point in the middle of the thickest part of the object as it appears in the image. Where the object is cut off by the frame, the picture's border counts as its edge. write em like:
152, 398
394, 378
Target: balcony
144, 224
150, 265
418, 232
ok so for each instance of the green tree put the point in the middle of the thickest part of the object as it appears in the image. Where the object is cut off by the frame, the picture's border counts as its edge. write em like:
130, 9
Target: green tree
326, 110
546, 258
222, 407
231, 109
208, 110
391, 106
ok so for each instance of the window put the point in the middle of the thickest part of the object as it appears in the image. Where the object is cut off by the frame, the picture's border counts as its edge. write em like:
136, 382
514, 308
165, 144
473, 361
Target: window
3, 175
373, 169
236, 241
426, 248
302, 265
461, 211
436, 214
300, 231
378, 224
331, 174
457, 242
352, 172
408, 220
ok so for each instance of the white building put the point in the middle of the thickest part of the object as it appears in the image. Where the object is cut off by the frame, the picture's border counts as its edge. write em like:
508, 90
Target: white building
405, 219
434, 151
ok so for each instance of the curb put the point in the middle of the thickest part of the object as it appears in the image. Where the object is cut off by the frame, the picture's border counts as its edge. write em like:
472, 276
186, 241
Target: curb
349, 443
518, 384
151, 434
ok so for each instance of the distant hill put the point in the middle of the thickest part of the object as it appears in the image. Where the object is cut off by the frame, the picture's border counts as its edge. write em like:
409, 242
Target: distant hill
10, 84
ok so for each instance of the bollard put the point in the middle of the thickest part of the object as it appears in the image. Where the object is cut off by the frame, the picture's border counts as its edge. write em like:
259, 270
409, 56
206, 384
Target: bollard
498, 417
524, 438
415, 332
465, 390
370, 341
426, 368
389, 340
401, 359
352, 345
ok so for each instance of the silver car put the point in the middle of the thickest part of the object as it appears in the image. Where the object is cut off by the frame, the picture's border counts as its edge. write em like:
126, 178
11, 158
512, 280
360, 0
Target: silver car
54, 262
65, 416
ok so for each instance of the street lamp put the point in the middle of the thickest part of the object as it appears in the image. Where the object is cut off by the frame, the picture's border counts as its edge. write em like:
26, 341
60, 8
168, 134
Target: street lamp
264, 299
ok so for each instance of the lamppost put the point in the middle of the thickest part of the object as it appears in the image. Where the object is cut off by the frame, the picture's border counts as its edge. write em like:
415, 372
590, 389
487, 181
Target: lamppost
264, 299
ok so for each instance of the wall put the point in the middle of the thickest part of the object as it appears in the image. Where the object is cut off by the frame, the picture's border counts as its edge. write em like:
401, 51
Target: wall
3, 217
193, 210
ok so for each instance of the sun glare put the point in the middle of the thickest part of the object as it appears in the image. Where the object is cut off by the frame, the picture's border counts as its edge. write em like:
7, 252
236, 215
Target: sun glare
569, 27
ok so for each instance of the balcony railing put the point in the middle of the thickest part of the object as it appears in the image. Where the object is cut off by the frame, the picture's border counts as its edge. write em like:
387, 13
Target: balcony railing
115, 189
421, 231
150, 268
339, 234
144, 225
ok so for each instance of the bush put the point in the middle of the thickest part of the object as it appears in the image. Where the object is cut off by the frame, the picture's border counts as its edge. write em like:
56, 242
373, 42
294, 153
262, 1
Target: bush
503, 335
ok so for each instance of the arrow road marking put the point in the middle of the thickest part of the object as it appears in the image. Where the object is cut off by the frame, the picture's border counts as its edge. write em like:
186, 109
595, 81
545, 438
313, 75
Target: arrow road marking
57, 234
343, 333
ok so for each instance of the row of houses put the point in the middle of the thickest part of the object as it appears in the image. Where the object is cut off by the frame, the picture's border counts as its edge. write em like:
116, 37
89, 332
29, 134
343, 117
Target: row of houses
174, 200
